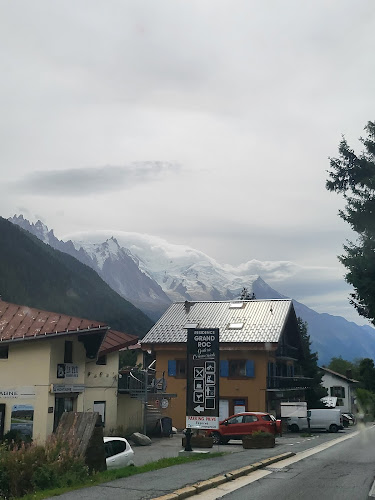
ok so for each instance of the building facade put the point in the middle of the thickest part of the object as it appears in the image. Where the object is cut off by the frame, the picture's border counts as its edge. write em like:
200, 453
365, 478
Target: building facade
259, 352
341, 387
52, 363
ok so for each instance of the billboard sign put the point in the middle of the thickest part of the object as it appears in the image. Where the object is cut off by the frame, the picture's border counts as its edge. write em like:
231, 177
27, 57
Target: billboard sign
202, 388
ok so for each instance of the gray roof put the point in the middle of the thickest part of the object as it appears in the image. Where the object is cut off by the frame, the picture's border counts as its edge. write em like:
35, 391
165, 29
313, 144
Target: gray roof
263, 320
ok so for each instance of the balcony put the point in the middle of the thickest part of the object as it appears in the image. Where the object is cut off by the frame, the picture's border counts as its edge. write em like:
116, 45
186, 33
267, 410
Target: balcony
133, 382
287, 352
296, 382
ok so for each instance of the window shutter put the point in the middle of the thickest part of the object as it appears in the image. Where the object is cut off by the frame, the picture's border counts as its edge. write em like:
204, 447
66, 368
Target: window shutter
250, 371
172, 367
224, 368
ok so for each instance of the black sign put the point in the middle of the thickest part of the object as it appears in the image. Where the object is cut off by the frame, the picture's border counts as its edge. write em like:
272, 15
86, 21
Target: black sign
202, 391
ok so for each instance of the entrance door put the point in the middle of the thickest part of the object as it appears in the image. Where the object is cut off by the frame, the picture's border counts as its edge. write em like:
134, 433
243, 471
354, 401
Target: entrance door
2, 419
62, 404
223, 409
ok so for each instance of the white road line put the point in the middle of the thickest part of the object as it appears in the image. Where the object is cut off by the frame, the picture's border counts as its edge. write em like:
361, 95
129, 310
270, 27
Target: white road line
236, 484
226, 488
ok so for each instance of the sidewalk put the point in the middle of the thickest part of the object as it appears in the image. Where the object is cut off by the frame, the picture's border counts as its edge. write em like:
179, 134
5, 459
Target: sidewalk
164, 481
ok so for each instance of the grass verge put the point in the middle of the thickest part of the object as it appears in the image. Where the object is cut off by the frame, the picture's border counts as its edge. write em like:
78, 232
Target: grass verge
111, 475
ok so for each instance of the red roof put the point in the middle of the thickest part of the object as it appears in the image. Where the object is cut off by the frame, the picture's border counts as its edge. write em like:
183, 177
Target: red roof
22, 322
113, 341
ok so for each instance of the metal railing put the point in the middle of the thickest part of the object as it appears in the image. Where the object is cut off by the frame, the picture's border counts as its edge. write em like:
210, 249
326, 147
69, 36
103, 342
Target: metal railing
287, 351
288, 382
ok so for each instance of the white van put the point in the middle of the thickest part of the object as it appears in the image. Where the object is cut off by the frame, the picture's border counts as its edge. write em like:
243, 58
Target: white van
320, 419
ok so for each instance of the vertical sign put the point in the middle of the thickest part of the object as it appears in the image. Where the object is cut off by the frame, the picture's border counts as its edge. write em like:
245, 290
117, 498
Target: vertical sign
202, 391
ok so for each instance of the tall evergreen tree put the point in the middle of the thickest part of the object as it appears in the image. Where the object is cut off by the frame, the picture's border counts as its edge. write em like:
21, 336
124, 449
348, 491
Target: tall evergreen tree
310, 368
353, 176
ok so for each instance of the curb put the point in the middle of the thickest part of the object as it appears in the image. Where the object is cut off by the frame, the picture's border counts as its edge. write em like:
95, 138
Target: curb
194, 489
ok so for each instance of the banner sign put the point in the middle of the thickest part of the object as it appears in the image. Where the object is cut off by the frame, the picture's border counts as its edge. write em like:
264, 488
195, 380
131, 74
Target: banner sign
202, 388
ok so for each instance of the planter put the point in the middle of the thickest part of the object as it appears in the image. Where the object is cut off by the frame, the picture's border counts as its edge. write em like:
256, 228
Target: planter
250, 442
199, 442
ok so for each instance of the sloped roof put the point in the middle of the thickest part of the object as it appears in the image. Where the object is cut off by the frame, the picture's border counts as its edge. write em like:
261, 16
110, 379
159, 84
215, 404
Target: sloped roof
25, 323
339, 375
114, 341
263, 320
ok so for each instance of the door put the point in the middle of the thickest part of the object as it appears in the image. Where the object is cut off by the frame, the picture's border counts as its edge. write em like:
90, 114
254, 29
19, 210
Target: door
233, 427
62, 404
223, 409
2, 419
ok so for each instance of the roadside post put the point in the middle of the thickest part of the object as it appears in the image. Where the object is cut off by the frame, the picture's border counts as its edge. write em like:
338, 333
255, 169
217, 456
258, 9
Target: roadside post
202, 383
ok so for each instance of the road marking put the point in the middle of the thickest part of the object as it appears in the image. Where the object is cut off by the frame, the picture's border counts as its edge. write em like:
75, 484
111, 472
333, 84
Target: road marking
236, 484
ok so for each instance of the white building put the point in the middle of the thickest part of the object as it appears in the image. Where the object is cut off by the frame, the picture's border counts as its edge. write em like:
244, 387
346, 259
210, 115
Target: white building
341, 387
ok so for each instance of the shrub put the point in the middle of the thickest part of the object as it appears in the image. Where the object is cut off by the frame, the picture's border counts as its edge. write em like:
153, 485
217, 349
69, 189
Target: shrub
260, 434
26, 468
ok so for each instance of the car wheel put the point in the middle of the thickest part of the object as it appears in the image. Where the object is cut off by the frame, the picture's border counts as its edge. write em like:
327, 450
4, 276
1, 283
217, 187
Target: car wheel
294, 428
216, 438
333, 428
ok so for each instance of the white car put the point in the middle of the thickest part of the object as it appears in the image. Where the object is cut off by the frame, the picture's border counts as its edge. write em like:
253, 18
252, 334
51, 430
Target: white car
118, 452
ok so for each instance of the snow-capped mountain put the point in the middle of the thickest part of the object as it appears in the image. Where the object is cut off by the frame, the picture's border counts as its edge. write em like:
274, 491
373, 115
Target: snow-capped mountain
151, 272
181, 271
114, 264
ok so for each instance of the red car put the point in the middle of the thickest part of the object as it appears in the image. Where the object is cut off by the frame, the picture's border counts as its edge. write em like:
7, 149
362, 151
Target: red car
241, 424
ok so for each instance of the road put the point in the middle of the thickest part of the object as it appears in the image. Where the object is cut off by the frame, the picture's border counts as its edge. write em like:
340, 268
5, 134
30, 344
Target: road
344, 471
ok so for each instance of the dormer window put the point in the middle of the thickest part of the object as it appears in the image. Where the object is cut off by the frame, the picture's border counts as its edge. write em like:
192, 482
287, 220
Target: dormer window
235, 326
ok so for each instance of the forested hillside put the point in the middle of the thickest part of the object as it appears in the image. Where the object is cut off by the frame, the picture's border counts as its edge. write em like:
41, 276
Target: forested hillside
34, 274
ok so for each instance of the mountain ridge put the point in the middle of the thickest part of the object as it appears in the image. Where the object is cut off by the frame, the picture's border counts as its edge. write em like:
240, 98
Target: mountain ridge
180, 273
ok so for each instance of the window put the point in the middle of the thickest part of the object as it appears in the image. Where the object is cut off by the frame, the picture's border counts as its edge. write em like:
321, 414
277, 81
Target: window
4, 349
177, 368
68, 351
338, 392
114, 447
181, 368
99, 406
250, 418
237, 368
267, 418
235, 420
235, 326
102, 360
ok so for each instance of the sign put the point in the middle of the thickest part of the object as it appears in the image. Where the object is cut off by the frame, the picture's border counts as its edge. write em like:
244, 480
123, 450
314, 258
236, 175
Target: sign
202, 391
17, 393
59, 388
67, 370
22, 418
164, 403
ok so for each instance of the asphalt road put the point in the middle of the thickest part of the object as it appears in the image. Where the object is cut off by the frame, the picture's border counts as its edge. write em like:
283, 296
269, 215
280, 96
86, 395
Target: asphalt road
345, 471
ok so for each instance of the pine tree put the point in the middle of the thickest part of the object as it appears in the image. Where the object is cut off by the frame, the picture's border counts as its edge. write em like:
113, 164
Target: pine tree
354, 177
310, 368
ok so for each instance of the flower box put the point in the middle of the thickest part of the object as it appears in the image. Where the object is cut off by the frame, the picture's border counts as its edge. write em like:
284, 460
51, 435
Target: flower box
199, 442
261, 440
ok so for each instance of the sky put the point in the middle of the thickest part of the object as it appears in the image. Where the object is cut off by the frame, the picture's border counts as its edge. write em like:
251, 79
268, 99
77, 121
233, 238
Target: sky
206, 123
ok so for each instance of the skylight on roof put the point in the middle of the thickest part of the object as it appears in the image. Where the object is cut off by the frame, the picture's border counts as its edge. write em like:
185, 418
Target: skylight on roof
236, 305
235, 326
191, 325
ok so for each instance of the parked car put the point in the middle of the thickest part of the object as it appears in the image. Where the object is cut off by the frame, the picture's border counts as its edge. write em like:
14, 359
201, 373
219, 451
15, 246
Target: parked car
320, 419
242, 424
347, 419
118, 452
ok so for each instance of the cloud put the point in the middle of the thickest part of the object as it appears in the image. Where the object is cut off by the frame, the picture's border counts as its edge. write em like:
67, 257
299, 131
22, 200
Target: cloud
94, 180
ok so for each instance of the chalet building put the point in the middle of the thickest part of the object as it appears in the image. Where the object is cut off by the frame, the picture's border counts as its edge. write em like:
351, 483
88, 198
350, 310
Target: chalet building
51, 363
341, 389
260, 350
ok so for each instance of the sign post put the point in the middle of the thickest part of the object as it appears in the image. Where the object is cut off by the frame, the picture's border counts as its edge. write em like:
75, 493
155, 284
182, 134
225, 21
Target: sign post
202, 388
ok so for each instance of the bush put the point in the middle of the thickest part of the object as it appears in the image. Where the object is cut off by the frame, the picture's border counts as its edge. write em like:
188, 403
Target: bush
260, 434
26, 468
